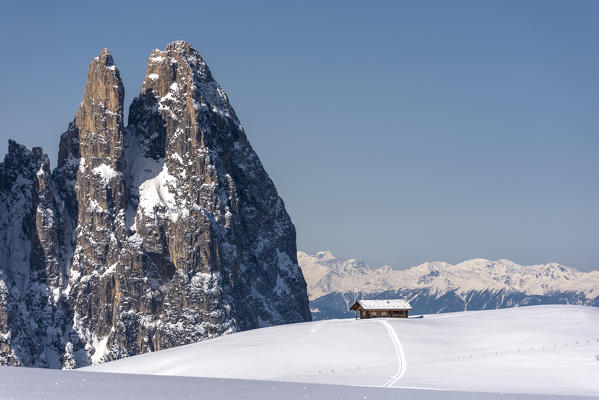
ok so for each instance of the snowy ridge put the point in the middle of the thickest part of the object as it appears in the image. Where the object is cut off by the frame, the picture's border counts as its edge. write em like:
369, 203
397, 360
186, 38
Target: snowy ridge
479, 284
325, 273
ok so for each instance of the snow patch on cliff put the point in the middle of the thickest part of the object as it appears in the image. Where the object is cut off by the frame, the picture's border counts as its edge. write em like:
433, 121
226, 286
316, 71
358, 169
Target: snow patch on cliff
105, 172
156, 193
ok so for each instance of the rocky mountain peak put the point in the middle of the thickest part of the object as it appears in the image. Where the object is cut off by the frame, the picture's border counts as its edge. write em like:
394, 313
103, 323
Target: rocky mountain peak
105, 56
103, 85
181, 81
161, 233
182, 47
17, 154
20, 160
100, 115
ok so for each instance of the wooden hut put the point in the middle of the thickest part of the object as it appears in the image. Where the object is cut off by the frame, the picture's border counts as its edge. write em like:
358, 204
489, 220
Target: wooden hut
394, 308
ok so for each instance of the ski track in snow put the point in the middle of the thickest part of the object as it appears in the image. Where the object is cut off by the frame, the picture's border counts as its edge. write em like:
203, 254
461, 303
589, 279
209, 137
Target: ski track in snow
401, 358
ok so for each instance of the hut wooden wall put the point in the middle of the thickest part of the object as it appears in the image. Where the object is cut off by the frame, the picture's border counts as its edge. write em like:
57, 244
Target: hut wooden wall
367, 314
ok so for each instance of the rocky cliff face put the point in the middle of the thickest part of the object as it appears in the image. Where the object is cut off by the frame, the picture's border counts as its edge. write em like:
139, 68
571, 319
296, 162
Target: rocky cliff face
161, 233
32, 277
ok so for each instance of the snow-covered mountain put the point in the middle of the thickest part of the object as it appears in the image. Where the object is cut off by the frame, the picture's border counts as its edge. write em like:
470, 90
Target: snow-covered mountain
433, 287
163, 232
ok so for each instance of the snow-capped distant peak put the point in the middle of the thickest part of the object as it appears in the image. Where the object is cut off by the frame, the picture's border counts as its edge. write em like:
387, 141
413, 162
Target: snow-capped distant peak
324, 273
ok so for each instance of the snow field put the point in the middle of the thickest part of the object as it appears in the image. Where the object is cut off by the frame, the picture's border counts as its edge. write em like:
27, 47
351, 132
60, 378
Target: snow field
307, 352
541, 349
529, 353
36, 384
550, 350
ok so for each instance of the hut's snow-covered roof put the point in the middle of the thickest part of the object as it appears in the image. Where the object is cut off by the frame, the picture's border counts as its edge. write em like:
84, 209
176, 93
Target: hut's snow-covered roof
392, 304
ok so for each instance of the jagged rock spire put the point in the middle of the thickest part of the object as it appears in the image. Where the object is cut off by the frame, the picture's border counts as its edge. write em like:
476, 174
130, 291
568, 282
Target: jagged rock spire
100, 185
100, 115
169, 230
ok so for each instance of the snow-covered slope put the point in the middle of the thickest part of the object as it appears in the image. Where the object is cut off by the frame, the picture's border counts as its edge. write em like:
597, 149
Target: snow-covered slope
539, 350
440, 287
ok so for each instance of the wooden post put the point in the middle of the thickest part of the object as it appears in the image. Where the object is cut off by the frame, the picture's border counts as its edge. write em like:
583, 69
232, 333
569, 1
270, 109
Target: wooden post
356, 310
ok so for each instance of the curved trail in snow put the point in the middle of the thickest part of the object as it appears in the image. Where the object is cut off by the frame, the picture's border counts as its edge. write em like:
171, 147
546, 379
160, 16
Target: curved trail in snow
401, 358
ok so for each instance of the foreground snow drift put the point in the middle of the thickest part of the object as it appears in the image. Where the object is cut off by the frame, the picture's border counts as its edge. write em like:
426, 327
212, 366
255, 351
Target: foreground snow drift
35, 384
539, 350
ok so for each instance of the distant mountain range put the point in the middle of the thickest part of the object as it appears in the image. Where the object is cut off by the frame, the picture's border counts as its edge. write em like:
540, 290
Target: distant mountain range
434, 287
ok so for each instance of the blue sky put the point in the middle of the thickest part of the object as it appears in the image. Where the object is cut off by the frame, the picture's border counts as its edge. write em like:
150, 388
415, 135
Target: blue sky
396, 132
